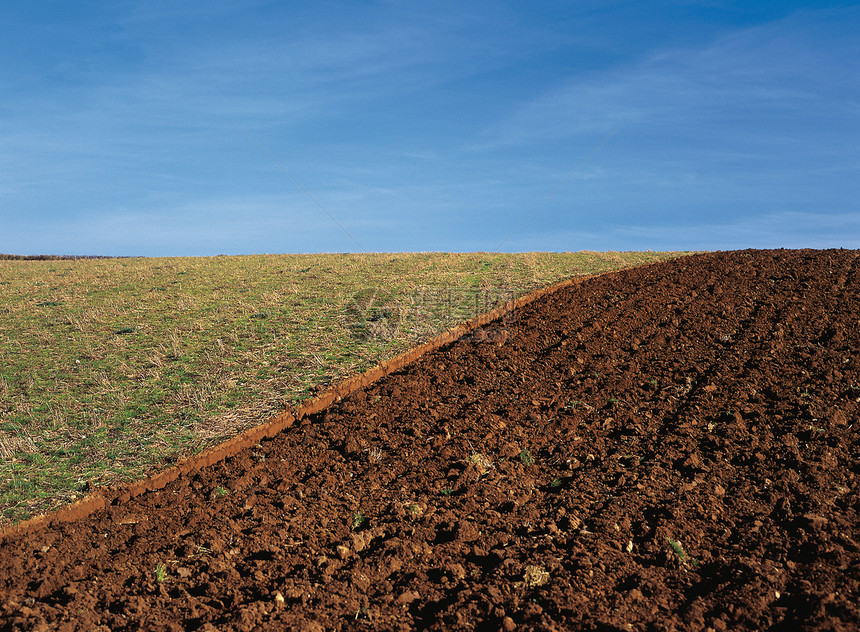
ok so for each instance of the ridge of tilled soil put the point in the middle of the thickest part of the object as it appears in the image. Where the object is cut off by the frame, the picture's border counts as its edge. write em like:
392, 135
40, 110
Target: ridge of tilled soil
672, 447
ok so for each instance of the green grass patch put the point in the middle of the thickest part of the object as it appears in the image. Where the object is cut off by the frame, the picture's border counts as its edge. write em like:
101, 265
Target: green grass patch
111, 369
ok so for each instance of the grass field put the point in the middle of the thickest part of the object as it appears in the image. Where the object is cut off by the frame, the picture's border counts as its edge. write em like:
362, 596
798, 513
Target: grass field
111, 369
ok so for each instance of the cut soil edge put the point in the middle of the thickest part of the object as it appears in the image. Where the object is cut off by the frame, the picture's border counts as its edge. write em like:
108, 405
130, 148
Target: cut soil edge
123, 493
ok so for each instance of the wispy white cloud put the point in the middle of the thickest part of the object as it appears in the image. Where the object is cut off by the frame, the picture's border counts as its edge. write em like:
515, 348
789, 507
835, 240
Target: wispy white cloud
262, 224
417, 127
786, 229
747, 82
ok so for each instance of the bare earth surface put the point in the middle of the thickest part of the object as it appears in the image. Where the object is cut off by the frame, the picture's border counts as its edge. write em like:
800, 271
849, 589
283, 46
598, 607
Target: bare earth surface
673, 447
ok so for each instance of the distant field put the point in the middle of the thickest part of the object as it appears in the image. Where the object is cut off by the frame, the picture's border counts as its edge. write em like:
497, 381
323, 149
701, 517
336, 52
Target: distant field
111, 369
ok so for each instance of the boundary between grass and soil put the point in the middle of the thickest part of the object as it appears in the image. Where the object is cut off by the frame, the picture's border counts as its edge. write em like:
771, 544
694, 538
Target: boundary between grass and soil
123, 493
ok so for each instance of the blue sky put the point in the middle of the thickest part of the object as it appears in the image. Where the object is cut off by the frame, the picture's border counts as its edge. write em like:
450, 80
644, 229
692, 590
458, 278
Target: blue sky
185, 128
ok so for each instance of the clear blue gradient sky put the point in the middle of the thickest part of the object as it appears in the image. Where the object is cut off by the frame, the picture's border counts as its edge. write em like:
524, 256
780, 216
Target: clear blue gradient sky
224, 127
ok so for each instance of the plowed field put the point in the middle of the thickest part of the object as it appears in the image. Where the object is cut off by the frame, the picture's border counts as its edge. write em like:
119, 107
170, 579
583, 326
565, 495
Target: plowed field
673, 447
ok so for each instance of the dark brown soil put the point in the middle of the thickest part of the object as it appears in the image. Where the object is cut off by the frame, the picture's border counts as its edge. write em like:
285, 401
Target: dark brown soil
673, 447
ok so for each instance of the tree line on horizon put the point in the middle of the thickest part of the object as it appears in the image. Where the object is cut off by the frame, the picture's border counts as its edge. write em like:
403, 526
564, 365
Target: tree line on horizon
5, 257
